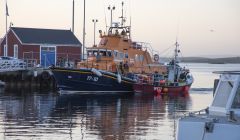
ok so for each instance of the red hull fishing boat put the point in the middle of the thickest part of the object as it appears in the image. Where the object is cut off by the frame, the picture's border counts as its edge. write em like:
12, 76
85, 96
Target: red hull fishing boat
176, 81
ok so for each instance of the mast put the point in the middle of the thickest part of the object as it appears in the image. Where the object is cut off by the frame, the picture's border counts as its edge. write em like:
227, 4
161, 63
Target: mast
175, 60
130, 18
6, 53
84, 32
73, 17
122, 14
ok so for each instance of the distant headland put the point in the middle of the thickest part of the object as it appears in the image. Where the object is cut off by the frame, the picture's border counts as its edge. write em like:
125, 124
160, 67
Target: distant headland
225, 60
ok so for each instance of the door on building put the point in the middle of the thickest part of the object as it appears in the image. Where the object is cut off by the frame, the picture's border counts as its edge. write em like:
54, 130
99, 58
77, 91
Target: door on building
48, 56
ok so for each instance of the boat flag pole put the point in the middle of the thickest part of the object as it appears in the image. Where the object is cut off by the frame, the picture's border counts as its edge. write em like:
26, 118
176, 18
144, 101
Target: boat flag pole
7, 14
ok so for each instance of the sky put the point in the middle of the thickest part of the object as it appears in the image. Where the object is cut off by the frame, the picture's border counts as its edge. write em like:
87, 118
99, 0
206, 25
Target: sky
209, 28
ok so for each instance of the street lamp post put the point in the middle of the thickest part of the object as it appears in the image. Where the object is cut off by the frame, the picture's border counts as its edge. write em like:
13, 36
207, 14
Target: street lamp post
111, 9
94, 23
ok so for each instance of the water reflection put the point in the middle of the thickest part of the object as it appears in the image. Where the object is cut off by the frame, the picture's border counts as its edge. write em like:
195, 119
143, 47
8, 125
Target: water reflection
30, 115
51, 116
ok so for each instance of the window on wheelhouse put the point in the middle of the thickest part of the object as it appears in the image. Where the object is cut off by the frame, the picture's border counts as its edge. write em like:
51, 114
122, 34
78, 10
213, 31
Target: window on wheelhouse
115, 54
109, 53
118, 55
126, 55
95, 53
121, 55
102, 52
92, 53
141, 58
136, 57
89, 53
222, 94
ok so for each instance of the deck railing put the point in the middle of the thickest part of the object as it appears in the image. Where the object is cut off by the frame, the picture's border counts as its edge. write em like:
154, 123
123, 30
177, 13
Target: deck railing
33, 59
12, 65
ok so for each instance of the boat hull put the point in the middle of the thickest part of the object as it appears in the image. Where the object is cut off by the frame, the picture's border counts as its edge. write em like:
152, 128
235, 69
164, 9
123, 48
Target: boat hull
199, 128
175, 90
143, 88
163, 90
85, 81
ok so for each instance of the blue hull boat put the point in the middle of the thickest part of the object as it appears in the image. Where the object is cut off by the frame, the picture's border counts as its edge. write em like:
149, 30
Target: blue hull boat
91, 81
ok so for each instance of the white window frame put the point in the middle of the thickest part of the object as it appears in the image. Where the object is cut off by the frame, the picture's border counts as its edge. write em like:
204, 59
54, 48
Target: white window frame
5, 50
15, 50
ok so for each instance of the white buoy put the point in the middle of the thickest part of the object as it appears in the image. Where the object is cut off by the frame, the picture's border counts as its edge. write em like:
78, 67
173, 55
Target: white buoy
119, 78
95, 71
35, 73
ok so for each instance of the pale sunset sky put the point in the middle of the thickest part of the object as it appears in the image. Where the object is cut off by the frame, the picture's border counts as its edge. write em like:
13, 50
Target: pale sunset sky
204, 27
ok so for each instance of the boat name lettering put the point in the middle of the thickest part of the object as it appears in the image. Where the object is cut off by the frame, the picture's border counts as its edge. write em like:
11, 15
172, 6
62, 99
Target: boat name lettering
91, 78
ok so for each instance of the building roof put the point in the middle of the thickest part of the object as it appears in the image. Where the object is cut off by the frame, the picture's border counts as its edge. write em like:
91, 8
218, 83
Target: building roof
46, 36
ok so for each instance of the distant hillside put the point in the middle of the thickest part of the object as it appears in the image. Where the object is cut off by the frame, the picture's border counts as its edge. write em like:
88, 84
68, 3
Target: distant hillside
232, 60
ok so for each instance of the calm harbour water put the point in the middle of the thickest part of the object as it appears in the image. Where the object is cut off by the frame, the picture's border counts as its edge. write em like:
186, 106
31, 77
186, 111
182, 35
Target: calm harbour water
39, 115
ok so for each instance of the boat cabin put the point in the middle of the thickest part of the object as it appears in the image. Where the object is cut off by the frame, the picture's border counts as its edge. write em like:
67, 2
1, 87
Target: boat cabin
227, 95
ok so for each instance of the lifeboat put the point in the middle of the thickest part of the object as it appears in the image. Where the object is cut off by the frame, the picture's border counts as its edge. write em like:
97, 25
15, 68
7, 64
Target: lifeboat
110, 65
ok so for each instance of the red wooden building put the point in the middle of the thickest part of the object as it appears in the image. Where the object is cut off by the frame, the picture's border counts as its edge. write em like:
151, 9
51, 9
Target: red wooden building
41, 46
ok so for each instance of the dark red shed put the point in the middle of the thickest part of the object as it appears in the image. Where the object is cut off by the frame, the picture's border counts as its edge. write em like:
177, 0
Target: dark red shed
42, 46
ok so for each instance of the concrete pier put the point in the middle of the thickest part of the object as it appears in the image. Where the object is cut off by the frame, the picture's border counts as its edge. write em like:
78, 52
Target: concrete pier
29, 79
